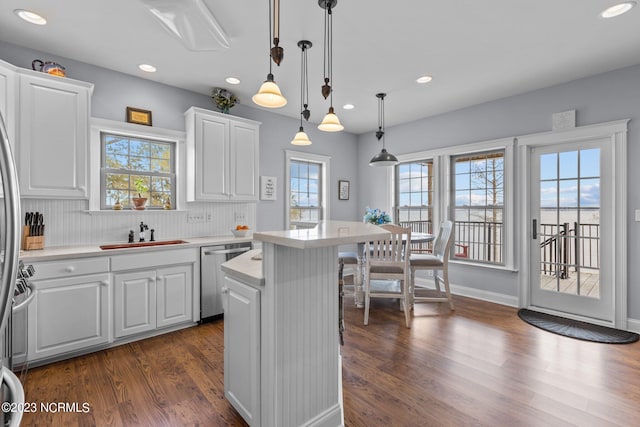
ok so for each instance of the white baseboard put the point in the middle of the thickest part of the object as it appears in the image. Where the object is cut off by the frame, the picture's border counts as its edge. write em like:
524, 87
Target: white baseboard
633, 325
480, 294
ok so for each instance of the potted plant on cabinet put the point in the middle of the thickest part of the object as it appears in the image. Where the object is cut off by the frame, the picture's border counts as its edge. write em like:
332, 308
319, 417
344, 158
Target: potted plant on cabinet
139, 203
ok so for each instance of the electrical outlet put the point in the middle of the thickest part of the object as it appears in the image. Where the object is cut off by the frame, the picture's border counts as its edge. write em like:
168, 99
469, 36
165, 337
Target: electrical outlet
195, 217
208, 217
240, 218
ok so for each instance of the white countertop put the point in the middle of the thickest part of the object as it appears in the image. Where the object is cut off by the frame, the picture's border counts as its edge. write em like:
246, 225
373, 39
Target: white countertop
246, 267
326, 233
82, 251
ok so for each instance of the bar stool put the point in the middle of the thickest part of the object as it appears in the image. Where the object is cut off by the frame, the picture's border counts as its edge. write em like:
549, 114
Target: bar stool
344, 258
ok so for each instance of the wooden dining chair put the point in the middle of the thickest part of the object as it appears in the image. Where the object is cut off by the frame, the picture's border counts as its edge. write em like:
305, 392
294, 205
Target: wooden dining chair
438, 261
344, 258
388, 260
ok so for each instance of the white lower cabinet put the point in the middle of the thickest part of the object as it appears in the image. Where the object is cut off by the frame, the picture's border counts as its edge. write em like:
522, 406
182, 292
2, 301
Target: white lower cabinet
151, 299
242, 349
135, 302
81, 303
68, 314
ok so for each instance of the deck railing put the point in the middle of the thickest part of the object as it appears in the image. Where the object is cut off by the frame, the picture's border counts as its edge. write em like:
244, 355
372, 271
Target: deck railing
568, 247
563, 248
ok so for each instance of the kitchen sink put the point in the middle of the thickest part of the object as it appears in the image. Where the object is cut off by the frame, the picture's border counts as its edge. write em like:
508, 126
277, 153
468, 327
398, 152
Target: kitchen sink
142, 244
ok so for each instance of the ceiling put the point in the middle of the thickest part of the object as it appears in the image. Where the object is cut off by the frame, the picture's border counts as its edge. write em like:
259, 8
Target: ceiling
476, 51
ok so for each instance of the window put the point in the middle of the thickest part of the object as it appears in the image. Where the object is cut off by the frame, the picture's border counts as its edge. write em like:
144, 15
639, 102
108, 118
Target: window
414, 197
306, 192
132, 165
307, 201
478, 205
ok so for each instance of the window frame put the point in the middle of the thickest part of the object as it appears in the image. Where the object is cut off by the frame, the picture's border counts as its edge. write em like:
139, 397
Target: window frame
99, 126
131, 172
442, 173
325, 163
470, 206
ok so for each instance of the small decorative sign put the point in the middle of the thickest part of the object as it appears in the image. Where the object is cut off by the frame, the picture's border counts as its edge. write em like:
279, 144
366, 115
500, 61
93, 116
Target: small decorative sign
268, 188
563, 120
343, 190
138, 116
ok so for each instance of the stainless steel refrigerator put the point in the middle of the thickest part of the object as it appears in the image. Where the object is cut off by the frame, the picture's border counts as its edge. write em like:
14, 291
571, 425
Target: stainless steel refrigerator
11, 390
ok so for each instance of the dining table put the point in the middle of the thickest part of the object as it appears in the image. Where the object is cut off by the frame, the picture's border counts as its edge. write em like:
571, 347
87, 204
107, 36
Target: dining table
416, 237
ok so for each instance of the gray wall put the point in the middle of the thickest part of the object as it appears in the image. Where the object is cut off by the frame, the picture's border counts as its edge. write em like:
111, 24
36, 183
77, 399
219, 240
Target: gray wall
115, 91
606, 97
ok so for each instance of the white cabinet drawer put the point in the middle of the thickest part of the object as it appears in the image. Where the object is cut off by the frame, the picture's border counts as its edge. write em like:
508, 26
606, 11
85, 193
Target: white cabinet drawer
70, 267
154, 259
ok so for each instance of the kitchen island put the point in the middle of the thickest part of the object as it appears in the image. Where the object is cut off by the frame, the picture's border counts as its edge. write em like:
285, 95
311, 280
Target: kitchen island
282, 355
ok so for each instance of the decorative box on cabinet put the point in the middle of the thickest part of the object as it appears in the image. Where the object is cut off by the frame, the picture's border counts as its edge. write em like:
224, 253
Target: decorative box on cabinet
54, 134
70, 310
222, 156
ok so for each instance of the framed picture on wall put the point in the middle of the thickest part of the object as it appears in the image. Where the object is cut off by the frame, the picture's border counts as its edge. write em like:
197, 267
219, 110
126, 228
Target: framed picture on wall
343, 190
268, 188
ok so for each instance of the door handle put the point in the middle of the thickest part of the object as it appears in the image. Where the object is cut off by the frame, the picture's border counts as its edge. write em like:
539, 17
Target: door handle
227, 251
534, 231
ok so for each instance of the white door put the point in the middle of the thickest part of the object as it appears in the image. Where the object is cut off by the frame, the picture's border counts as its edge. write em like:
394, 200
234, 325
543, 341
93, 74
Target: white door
572, 229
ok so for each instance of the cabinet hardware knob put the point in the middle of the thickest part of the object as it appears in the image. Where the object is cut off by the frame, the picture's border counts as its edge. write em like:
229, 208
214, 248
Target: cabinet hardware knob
70, 269
105, 283
160, 278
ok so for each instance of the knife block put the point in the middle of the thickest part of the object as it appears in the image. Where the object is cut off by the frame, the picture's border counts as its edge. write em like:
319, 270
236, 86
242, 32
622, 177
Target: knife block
29, 242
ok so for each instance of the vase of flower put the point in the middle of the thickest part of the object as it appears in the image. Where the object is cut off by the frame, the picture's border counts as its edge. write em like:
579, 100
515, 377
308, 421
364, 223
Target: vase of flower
376, 216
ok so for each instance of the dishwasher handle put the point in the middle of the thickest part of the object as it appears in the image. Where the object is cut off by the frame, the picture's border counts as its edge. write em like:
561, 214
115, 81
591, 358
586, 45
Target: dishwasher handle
227, 251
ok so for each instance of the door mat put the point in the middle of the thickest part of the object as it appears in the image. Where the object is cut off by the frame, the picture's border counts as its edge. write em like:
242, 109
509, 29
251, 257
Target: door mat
577, 329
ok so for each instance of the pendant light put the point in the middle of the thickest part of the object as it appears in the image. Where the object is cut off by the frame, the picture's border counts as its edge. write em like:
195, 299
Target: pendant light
383, 158
330, 123
269, 94
301, 137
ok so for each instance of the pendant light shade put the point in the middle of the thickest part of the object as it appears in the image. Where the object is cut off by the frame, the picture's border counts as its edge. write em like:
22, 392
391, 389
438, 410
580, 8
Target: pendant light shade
383, 158
301, 137
269, 94
330, 123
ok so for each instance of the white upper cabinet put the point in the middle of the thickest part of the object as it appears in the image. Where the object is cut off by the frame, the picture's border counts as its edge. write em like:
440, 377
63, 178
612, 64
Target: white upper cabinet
8, 104
222, 157
53, 136
8, 100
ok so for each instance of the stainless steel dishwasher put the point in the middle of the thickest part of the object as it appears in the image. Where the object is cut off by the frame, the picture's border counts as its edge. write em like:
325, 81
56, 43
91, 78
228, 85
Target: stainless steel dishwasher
211, 277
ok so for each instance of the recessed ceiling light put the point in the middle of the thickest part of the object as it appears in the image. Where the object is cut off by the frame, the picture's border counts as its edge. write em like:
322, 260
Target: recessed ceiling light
424, 79
232, 80
30, 17
618, 9
348, 106
148, 68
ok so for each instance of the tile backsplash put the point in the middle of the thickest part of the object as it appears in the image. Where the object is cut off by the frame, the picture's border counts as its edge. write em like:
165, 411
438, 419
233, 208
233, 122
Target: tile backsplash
68, 222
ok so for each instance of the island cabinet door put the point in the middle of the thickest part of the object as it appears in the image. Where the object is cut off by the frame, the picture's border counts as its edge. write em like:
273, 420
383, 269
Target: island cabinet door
174, 289
242, 349
134, 302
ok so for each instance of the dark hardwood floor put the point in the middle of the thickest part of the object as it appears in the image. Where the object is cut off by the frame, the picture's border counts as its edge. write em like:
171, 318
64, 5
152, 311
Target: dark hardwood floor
478, 366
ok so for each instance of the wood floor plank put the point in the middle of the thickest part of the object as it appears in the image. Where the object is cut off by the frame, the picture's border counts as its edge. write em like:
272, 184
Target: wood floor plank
479, 365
